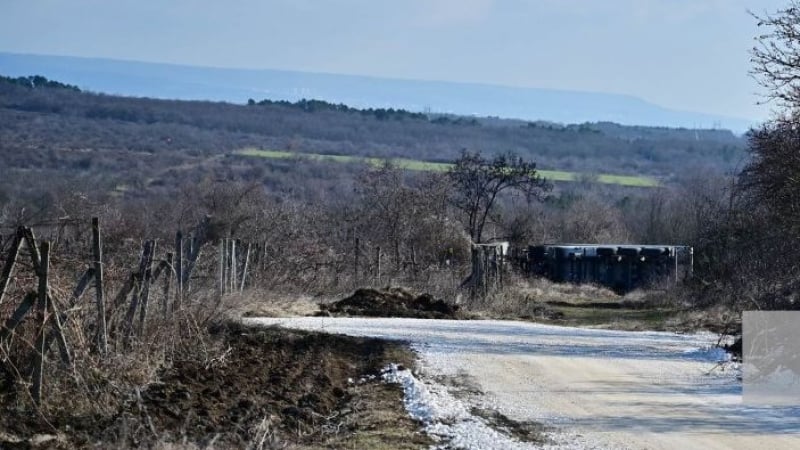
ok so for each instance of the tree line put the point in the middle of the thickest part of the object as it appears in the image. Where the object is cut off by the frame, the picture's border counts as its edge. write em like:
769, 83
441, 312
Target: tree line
52, 126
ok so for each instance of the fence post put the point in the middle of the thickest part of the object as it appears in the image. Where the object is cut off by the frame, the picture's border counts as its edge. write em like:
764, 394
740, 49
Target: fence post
675, 252
244, 269
378, 264
414, 270
97, 249
131, 313
480, 268
195, 246
234, 264
148, 274
486, 268
178, 270
222, 251
38, 365
11, 261
167, 283
57, 333
19, 314
355, 263
501, 262
30, 241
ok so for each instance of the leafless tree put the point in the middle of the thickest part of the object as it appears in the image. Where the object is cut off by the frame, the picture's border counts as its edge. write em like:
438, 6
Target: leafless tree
406, 217
479, 181
776, 56
772, 174
748, 256
593, 220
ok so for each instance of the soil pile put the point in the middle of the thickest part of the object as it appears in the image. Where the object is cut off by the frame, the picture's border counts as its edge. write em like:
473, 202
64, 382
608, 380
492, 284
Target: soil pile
391, 303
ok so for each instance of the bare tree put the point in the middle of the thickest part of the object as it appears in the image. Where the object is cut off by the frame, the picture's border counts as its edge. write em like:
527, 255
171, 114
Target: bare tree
404, 214
592, 220
479, 181
776, 56
745, 259
390, 207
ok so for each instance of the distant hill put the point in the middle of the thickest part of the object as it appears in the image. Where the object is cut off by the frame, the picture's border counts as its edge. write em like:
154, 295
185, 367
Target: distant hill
52, 131
169, 81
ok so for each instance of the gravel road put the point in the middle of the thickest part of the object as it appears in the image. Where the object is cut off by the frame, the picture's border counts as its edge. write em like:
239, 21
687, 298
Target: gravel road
593, 388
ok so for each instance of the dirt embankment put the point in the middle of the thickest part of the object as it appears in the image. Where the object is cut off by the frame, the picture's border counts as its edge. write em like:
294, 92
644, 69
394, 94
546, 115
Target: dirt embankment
265, 385
393, 302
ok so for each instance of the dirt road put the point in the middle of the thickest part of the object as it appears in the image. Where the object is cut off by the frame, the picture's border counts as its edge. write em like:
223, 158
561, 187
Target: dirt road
595, 388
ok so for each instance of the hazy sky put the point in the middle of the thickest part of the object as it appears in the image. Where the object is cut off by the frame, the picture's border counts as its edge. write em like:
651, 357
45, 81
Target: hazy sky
683, 54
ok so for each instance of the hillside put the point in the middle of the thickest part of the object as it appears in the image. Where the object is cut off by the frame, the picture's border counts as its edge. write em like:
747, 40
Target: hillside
170, 81
59, 132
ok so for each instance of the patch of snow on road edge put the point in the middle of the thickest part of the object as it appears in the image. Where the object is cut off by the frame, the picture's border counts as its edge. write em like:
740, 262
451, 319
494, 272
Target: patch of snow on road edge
445, 417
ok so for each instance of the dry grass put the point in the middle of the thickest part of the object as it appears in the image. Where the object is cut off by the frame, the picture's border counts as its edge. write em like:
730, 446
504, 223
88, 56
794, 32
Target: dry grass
526, 298
588, 305
543, 290
258, 303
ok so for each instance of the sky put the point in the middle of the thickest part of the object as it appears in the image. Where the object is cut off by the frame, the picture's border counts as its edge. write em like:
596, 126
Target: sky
683, 54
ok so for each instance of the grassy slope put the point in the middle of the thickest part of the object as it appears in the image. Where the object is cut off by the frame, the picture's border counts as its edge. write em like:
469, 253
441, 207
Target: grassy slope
413, 164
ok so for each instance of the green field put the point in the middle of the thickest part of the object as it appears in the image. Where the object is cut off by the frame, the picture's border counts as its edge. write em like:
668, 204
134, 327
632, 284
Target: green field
413, 164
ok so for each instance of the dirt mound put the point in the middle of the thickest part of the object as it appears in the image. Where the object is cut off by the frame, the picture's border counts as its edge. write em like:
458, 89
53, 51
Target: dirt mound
391, 303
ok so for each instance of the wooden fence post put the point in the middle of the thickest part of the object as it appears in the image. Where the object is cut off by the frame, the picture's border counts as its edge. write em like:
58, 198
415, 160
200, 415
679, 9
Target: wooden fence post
30, 242
355, 263
222, 252
131, 313
486, 269
57, 333
148, 274
11, 261
167, 283
97, 249
244, 269
233, 264
178, 270
38, 365
17, 316
474, 279
414, 270
378, 264
264, 256
500, 263
195, 246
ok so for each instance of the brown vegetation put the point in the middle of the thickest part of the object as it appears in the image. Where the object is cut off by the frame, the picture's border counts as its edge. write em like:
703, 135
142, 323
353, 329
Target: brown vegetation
245, 388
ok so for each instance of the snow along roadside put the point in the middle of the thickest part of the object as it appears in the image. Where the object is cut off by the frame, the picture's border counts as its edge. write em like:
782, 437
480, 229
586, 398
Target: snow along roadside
445, 417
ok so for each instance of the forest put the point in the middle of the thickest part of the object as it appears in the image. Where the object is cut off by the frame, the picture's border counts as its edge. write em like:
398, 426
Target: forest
56, 131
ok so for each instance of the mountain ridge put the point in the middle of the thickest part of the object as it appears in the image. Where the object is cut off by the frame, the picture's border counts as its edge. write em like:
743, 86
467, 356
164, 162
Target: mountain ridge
176, 81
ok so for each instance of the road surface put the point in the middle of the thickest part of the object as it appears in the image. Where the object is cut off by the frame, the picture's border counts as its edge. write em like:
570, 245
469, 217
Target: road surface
593, 388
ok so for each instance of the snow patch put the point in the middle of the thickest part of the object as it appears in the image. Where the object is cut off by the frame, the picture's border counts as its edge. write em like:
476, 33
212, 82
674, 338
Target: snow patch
445, 417
711, 354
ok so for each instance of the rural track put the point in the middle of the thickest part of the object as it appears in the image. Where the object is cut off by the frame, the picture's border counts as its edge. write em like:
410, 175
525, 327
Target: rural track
592, 388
